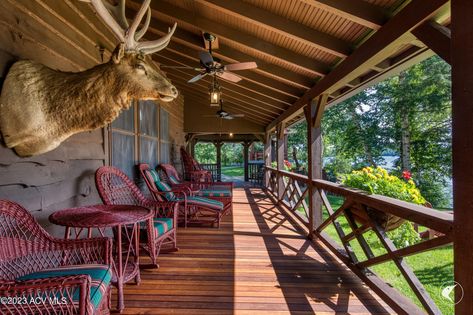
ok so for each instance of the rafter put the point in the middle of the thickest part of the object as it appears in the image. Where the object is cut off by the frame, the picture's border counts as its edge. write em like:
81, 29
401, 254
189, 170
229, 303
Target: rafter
283, 54
382, 43
436, 37
358, 11
281, 25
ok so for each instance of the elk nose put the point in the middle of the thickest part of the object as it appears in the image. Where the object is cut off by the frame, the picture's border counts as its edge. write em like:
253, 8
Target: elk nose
174, 91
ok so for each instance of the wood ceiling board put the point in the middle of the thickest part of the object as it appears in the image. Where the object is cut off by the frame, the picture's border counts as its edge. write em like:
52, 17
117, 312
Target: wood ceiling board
223, 31
281, 25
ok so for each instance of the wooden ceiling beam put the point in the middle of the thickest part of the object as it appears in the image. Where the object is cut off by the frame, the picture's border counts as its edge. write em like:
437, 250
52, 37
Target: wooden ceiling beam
384, 42
231, 55
436, 37
204, 97
267, 86
283, 54
229, 86
358, 11
281, 25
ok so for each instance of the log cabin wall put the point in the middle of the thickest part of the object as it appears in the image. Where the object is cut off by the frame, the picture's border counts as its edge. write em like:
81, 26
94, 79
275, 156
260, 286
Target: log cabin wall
65, 35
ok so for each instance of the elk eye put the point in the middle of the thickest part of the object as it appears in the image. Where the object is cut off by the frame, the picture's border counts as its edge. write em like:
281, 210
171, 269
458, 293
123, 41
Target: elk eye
140, 67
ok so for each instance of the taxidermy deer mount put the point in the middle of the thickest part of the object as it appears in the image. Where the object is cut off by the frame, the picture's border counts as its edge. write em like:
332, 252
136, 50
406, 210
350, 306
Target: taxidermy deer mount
41, 107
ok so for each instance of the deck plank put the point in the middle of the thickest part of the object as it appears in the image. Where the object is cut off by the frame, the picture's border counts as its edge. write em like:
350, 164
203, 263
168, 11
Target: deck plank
256, 263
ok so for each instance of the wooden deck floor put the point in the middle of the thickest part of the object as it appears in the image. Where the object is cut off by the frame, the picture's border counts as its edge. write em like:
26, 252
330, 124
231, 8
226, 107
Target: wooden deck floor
256, 263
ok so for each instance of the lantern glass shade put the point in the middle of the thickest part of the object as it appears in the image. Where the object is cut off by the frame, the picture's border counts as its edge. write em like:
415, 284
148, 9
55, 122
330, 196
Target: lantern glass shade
214, 97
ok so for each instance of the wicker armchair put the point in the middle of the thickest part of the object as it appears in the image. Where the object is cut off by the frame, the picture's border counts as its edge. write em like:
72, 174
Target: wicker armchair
115, 188
192, 170
192, 208
221, 191
40, 274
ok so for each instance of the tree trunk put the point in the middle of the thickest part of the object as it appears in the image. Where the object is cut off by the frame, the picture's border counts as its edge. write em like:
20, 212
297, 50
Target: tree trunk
405, 131
366, 147
405, 141
294, 156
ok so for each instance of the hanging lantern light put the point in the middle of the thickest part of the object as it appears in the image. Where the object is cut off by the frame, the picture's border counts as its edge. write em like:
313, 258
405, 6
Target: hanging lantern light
215, 93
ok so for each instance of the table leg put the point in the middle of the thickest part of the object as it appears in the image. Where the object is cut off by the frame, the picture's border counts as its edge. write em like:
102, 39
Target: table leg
137, 253
67, 233
120, 272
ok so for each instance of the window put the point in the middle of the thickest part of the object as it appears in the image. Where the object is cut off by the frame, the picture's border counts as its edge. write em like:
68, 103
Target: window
139, 135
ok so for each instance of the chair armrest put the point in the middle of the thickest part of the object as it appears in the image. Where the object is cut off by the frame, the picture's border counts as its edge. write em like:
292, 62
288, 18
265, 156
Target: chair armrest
46, 295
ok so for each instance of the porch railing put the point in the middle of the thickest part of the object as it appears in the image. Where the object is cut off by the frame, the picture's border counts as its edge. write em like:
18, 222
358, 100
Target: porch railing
361, 212
256, 172
213, 168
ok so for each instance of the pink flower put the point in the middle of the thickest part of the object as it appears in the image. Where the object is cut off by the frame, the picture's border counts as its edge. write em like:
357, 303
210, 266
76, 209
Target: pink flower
406, 175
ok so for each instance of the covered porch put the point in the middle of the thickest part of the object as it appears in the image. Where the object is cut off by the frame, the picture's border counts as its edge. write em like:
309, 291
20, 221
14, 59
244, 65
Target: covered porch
286, 247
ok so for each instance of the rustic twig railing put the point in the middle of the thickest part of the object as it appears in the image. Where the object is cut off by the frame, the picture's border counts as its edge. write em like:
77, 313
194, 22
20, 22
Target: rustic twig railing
293, 195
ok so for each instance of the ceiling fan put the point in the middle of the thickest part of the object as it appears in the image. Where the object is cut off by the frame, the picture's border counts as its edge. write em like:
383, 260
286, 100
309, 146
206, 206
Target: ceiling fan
222, 114
211, 65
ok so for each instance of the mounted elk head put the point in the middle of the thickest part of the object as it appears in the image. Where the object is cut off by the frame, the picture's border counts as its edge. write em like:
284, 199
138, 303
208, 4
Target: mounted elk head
41, 107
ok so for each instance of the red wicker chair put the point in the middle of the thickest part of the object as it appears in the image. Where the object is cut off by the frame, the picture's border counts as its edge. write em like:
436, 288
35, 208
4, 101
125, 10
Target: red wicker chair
115, 188
40, 274
192, 207
192, 170
221, 191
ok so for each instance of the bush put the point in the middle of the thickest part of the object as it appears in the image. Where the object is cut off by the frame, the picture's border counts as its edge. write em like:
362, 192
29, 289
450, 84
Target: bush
379, 181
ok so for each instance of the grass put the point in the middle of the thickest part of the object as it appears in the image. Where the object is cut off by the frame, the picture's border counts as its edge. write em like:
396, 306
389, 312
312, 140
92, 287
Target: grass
433, 268
232, 170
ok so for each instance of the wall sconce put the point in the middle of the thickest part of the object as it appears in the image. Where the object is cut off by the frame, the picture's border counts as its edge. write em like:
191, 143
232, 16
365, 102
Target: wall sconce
215, 93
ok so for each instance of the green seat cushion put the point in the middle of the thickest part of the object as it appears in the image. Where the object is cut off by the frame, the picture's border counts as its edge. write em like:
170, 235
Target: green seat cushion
210, 192
174, 180
101, 276
204, 203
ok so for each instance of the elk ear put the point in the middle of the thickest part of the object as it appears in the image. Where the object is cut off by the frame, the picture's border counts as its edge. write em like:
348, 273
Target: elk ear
118, 53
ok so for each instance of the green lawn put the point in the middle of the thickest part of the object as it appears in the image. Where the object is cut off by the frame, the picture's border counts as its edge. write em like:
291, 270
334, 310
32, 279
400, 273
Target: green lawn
232, 170
433, 268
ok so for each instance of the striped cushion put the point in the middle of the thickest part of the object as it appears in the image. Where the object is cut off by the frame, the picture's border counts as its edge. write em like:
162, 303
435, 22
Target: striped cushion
210, 192
161, 186
101, 276
174, 180
162, 225
204, 202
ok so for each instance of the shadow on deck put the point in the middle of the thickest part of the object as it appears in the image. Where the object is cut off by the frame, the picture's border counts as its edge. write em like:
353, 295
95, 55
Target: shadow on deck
257, 262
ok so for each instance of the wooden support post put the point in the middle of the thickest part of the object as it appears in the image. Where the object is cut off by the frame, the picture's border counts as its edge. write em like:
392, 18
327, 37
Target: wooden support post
193, 142
218, 147
246, 146
280, 157
267, 157
436, 37
462, 142
313, 113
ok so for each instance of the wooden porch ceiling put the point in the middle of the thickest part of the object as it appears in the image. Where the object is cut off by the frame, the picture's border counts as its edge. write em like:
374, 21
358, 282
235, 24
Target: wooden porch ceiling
302, 48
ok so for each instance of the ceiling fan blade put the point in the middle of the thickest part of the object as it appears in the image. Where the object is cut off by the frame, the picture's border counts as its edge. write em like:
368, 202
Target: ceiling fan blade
228, 117
241, 66
206, 58
229, 76
238, 115
197, 78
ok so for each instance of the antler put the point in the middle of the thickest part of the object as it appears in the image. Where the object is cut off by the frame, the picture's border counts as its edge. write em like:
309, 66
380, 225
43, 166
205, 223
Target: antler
114, 17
